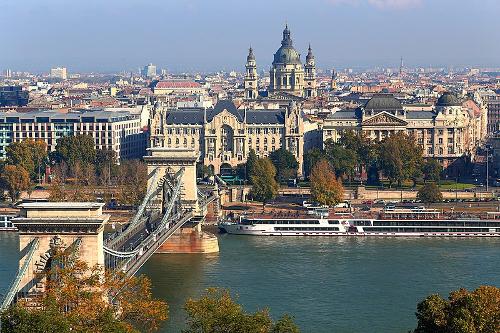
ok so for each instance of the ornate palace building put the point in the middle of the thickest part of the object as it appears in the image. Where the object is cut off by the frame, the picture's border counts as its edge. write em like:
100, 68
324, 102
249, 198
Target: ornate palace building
287, 75
222, 136
448, 132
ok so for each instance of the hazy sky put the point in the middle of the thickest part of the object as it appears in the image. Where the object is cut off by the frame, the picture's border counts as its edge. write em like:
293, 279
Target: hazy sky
188, 35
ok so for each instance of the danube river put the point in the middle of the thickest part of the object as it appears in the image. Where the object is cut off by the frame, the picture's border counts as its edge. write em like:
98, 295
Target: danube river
341, 285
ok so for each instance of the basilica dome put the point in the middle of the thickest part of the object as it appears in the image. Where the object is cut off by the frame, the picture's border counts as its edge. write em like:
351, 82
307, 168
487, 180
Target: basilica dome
286, 54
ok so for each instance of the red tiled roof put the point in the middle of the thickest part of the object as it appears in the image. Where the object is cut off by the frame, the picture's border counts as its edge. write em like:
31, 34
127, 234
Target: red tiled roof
177, 84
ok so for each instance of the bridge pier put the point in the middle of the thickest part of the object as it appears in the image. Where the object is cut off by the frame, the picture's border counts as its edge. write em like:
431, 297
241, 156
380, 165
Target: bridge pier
189, 238
46, 225
172, 160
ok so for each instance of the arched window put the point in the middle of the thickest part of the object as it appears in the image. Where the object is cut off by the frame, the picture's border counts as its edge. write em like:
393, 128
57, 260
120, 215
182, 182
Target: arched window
177, 141
185, 142
169, 141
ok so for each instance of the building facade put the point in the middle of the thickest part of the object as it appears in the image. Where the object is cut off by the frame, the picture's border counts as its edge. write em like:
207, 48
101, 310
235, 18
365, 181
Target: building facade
59, 73
118, 131
222, 136
13, 96
444, 133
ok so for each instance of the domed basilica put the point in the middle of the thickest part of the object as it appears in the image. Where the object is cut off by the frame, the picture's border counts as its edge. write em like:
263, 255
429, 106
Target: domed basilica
287, 75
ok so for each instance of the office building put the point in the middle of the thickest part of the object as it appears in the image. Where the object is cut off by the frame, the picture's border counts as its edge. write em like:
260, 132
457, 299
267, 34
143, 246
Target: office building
13, 96
59, 73
149, 71
119, 131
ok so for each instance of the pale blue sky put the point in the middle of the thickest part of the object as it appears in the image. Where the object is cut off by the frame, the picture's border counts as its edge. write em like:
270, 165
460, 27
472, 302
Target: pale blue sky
207, 35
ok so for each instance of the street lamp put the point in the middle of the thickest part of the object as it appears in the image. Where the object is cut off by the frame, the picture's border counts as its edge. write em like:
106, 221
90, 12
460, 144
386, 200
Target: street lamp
487, 166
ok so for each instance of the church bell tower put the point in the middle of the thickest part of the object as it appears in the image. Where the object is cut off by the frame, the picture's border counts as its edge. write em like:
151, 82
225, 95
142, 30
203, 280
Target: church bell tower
310, 75
251, 89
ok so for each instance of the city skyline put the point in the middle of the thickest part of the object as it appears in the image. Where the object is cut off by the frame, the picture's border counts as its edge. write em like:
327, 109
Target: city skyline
198, 35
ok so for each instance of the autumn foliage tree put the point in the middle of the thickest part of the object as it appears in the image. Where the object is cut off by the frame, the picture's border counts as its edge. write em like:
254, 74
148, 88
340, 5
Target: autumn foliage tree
14, 179
217, 312
79, 298
264, 185
29, 154
464, 311
325, 188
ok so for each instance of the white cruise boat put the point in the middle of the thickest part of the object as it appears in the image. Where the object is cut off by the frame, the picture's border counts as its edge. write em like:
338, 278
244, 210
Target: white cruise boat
416, 223
6, 224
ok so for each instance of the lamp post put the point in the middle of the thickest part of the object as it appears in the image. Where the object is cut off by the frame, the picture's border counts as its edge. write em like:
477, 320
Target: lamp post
487, 166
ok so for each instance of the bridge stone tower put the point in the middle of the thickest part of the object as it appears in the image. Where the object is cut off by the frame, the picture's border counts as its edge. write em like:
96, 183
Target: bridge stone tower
44, 225
172, 160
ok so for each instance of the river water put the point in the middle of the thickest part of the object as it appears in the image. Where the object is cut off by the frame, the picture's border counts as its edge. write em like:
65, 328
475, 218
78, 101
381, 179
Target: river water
341, 285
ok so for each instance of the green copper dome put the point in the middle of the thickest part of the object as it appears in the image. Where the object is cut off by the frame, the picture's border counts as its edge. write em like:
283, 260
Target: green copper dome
448, 99
286, 54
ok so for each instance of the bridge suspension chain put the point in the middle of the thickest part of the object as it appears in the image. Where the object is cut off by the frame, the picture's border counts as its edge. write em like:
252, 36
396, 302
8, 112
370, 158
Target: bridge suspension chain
9, 298
128, 257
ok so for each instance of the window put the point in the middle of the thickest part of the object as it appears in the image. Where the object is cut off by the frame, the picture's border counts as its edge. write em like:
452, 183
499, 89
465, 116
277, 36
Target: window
450, 150
450, 140
440, 140
440, 132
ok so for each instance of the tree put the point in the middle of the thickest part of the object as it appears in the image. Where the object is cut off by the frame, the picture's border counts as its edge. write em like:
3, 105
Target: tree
311, 157
432, 170
15, 179
343, 160
105, 161
80, 298
56, 191
132, 178
29, 154
251, 160
285, 164
464, 311
400, 158
73, 149
325, 188
430, 193
263, 179
217, 312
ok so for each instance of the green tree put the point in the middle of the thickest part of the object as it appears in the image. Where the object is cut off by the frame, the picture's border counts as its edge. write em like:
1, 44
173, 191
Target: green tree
251, 161
15, 179
464, 311
325, 188
76, 149
29, 154
263, 179
343, 160
400, 158
217, 312
79, 298
432, 170
105, 163
285, 164
311, 157
430, 193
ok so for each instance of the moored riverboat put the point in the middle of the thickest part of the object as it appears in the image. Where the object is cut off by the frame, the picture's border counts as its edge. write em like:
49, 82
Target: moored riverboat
403, 223
6, 224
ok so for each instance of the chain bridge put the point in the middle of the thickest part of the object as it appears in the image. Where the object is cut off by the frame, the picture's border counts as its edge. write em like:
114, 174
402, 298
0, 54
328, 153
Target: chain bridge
172, 201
